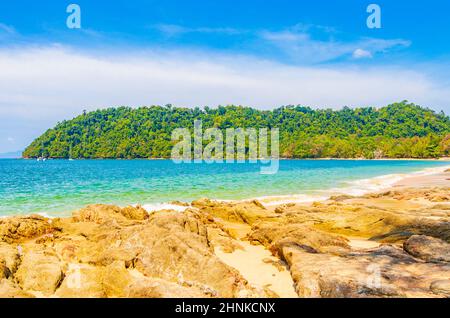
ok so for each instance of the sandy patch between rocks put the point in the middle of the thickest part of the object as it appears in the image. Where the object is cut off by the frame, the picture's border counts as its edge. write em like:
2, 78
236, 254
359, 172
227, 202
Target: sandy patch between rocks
253, 266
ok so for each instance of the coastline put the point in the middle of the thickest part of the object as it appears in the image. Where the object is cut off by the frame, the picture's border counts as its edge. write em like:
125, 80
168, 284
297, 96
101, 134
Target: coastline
356, 187
325, 248
361, 187
283, 158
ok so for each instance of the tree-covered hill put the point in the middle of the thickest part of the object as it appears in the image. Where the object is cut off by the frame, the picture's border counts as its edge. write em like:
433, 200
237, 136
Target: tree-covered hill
399, 130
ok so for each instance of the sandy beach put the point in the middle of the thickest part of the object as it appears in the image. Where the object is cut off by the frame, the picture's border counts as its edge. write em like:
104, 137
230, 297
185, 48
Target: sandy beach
394, 242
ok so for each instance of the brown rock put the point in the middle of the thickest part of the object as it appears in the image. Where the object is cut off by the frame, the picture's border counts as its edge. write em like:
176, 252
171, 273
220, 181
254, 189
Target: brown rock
180, 203
19, 228
183, 256
428, 248
9, 290
280, 210
135, 213
115, 279
40, 271
9, 257
145, 287
276, 236
441, 287
82, 281
258, 204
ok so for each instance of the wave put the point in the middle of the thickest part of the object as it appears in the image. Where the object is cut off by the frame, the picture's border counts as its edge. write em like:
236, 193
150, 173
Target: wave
154, 207
354, 188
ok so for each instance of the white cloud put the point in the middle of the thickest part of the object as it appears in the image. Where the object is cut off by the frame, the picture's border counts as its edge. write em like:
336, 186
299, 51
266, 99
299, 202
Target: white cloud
175, 30
57, 82
40, 86
360, 53
302, 47
10, 139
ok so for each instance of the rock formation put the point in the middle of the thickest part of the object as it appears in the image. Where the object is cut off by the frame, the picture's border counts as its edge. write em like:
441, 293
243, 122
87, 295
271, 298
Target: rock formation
392, 244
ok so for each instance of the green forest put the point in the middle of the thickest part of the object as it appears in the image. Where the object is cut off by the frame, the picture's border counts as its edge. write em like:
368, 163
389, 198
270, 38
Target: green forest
400, 130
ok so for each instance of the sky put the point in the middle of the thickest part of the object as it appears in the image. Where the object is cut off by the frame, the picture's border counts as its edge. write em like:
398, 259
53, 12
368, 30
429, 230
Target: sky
188, 53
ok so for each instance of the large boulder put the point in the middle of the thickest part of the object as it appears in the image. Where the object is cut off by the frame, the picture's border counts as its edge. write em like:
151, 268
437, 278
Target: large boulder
386, 271
82, 281
9, 260
428, 248
20, 228
277, 236
175, 247
240, 212
10, 290
135, 213
145, 287
441, 287
40, 271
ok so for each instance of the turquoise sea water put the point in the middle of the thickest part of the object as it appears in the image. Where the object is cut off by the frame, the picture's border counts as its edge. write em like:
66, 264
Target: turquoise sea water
56, 187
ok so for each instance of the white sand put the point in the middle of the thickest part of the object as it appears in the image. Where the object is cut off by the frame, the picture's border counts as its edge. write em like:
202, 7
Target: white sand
249, 262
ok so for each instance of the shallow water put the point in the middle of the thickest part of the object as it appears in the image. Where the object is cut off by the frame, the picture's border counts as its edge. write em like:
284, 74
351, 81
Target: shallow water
56, 187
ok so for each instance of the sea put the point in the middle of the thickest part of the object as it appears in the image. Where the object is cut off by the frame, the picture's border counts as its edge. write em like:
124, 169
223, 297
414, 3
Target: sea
55, 188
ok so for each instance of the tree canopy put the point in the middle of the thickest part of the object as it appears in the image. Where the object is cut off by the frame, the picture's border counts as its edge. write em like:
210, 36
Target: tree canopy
400, 130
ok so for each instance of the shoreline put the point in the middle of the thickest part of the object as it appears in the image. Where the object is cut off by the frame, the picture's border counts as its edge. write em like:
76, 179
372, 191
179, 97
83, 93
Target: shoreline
357, 187
323, 249
420, 178
151, 159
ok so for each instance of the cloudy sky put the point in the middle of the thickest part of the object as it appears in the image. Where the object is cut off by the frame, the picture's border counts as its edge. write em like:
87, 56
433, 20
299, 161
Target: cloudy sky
197, 52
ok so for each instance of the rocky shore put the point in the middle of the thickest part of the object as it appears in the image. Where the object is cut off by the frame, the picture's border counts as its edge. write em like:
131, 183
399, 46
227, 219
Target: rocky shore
390, 244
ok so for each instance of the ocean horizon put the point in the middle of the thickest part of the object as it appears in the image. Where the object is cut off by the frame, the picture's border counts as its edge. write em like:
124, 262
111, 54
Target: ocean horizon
55, 188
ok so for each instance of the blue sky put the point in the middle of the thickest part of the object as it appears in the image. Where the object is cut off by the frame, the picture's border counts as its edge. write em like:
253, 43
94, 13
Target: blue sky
194, 53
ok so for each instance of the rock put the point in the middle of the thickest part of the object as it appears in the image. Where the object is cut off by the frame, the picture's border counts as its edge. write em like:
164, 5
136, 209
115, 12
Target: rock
9, 257
170, 246
277, 236
331, 276
258, 204
157, 288
441, 287
19, 228
115, 279
100, 213
342, 197
108, 251
221, 239
204, 202
180, 203
82, 281
239, 212
4, 271
279, 210
40, 271
428, 248
175, 248
135, 213
9, 290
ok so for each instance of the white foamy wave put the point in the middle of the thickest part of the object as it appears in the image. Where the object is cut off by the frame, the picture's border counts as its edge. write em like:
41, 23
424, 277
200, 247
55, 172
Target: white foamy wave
164, 206
353, 188
430, 171
376, 184
43, 214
